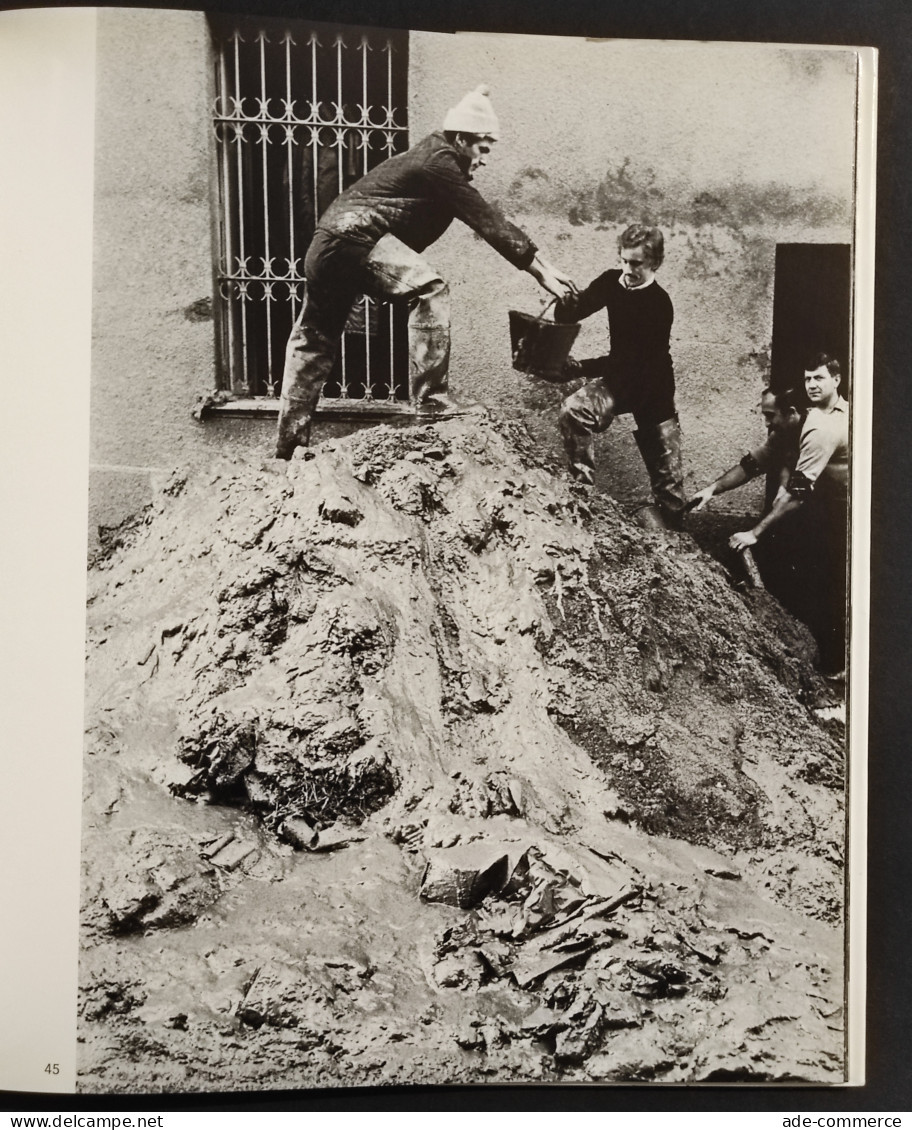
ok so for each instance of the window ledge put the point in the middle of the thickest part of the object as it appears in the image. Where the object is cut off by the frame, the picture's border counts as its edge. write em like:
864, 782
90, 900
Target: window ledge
266, 407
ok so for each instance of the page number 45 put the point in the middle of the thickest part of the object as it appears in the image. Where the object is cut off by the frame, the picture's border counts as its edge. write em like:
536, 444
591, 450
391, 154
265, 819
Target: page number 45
52, 1069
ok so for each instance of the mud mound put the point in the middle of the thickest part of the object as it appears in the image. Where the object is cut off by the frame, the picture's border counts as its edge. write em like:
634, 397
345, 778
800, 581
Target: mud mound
437, 710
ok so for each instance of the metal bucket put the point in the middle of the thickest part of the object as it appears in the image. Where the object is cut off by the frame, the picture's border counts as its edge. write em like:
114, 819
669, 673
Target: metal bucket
540, 347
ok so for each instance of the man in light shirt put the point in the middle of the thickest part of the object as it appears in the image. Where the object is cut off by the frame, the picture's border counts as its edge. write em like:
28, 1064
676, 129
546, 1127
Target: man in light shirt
820, 484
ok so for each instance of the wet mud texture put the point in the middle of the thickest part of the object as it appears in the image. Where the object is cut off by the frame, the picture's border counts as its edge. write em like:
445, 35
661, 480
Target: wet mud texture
408, 762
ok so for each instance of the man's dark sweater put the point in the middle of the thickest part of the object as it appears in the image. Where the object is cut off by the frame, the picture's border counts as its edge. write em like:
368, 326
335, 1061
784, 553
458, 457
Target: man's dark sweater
638, 369
415, 196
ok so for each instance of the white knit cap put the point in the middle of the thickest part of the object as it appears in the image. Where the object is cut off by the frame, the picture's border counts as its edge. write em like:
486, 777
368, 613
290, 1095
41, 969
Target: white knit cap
474, 114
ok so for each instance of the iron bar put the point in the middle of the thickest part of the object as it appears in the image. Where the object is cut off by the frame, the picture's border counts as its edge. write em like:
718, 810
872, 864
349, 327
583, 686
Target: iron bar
267, 255
228, 220
391, 383
241, 258
368, 391
289, 168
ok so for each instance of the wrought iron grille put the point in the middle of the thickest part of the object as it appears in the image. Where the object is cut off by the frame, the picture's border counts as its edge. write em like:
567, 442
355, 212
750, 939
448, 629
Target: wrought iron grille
301, 111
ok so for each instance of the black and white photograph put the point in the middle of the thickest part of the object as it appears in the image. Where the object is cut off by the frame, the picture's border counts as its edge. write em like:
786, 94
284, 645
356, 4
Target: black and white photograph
476, 599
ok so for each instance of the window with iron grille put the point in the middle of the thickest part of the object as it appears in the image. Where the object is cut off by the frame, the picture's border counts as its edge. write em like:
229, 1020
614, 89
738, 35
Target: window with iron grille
301, 112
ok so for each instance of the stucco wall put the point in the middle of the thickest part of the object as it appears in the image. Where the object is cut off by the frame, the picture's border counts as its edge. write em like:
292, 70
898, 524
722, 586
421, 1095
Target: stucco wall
152, 274
731, 148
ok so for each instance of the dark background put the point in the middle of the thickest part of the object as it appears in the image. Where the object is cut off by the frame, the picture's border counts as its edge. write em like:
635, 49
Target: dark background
887, 25
812, 311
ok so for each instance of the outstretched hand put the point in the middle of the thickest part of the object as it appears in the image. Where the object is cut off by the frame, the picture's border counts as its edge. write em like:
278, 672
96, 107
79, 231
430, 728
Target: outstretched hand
700, 499
743, 540
552, 279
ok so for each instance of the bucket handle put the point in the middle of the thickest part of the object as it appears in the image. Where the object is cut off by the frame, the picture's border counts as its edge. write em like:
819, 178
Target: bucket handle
541, 317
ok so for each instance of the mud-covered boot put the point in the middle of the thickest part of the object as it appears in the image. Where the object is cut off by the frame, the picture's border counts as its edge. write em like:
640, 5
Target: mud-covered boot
660, 448
309, 359
293, 430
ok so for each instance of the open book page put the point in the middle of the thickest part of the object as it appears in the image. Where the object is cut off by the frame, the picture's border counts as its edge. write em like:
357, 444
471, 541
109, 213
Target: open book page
438, 728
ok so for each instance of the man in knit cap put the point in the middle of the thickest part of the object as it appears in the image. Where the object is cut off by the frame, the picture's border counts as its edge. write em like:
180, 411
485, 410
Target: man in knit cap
369, 240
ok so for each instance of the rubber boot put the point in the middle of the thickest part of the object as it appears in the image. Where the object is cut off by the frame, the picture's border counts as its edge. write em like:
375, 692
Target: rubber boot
660, 448
293, 427
429, 348
442, 406
309, 360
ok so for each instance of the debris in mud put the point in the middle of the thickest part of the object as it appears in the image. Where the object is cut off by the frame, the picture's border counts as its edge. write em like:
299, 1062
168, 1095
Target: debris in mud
408, 764
592, 966
297, 831
232, 854
462, 876
160, 881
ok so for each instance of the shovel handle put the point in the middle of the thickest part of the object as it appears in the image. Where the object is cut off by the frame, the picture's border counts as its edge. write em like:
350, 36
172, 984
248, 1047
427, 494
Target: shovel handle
750, 568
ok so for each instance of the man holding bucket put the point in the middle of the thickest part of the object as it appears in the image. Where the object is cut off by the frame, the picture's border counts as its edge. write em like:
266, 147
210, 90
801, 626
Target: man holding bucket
368, 242
636, 376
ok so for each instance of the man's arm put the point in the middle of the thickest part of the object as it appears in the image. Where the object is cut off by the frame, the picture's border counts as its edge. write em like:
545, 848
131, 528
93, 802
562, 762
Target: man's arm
816, 447
734, 477
784, 503
750, 466
448, 184
580, 305
553, 280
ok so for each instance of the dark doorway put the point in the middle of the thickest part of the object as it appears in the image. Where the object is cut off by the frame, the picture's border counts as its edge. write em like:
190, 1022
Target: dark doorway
812, 309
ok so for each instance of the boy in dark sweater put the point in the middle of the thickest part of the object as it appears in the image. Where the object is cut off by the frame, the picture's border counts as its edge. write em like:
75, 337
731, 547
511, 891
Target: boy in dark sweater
636, 376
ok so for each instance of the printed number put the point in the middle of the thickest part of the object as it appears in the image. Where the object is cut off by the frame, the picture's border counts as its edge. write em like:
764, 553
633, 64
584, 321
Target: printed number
52, 1069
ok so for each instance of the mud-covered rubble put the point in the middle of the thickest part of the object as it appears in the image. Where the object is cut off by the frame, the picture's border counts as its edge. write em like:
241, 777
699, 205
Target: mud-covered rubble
602, 949
409, 761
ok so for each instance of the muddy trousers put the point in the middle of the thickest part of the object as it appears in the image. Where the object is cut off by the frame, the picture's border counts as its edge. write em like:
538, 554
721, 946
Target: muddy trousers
591, 410
583, 415
337, 272
826, 563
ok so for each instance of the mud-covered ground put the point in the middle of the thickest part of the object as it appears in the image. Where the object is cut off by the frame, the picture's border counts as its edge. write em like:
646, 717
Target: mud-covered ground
409, 763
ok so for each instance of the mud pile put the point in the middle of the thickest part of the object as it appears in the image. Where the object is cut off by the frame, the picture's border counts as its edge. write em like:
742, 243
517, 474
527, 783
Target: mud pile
408, 762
